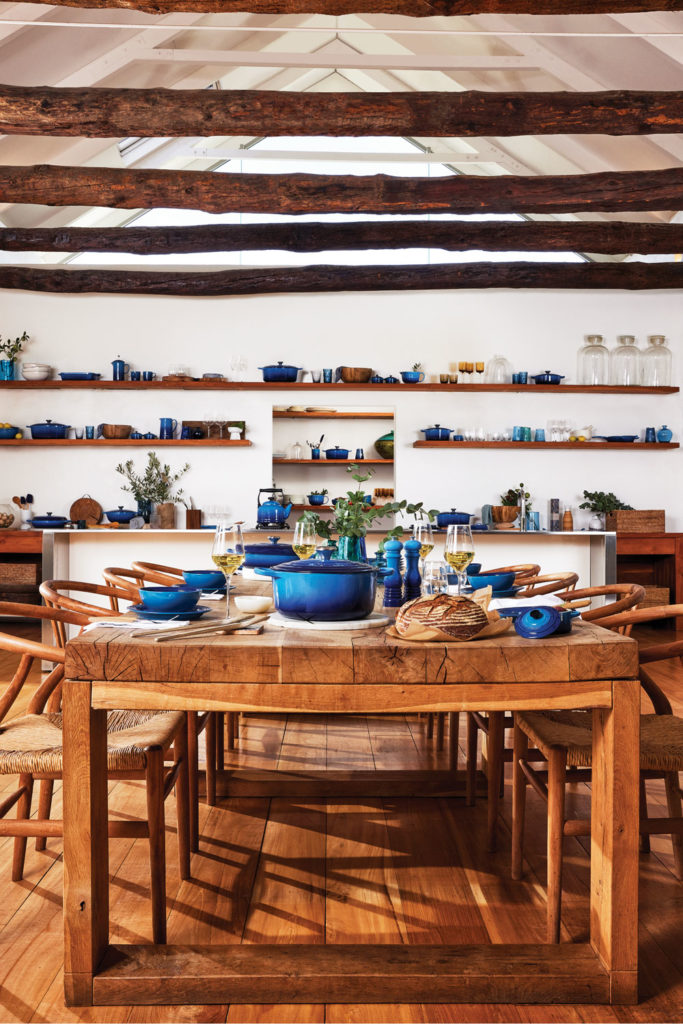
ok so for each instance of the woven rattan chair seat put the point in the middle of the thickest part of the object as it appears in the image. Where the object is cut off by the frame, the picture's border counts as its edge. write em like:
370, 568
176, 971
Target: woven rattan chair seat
33, 743
661, 737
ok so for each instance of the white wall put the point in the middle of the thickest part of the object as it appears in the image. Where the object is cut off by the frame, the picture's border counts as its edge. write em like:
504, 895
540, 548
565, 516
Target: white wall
388, 330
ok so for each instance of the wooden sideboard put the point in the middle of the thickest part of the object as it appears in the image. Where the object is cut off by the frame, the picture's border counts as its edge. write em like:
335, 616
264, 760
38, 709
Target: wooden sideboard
652, 559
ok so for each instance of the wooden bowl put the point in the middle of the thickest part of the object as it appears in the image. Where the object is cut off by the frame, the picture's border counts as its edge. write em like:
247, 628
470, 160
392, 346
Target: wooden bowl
116, 431
504, 513
355, 374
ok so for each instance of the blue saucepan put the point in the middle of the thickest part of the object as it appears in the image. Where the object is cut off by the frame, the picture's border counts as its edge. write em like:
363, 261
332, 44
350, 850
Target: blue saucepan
324, 591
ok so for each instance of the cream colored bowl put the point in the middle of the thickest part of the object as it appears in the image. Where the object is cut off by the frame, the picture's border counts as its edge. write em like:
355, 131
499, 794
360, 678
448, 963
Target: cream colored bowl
253, 603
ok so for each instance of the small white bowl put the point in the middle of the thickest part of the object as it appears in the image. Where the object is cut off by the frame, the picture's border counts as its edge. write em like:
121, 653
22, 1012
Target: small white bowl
28, 373
253, 603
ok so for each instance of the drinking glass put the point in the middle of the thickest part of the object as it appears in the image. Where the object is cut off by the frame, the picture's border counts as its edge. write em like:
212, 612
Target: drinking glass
228, 554
435, 577
423, 533
459, 550
304, 539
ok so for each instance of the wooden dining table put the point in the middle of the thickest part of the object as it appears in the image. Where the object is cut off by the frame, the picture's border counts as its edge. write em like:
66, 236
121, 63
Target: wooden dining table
336, 673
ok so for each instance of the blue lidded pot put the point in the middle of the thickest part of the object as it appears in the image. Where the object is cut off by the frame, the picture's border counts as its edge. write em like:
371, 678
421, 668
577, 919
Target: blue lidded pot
452, 518
266, 555
336, 453
279, 373
436, 433
120, 515
323, 591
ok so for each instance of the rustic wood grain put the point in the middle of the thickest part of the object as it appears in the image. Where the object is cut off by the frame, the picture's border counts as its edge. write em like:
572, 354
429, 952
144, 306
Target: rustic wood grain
630, 276
110, 113
410, 8
605, 191
529, 236
351, 973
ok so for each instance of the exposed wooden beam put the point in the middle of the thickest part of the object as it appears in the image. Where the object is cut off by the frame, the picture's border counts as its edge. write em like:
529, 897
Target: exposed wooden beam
114, 113
323, 193
349, 58
335, 279
410, 8
456, 236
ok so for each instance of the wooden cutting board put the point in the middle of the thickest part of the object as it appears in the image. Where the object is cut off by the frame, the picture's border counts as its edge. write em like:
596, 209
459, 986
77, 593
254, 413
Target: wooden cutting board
86, 508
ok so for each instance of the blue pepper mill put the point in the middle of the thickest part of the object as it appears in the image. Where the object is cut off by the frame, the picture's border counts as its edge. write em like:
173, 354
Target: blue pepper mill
412, 583
393, 583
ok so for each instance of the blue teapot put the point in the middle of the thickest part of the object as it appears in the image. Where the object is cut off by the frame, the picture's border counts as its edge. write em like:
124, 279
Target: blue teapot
272, 512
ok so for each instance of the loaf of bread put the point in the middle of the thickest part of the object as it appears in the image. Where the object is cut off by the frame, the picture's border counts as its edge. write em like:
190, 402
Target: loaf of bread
456, 617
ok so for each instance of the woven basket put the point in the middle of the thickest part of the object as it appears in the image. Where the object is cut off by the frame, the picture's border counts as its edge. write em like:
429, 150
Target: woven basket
19, 572
636, 520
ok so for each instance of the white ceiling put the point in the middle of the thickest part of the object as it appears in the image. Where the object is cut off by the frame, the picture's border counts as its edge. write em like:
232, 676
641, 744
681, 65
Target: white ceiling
385, 53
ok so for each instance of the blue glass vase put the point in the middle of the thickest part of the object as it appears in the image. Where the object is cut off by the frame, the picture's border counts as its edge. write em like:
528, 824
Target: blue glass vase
6, 369
145, 509
664, 435
352, 549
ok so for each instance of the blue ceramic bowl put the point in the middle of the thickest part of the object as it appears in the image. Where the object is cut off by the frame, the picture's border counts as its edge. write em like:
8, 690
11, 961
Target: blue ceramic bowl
205, 579
316, 499
170, 599
412, 376
496, 580
474, 568
7, 433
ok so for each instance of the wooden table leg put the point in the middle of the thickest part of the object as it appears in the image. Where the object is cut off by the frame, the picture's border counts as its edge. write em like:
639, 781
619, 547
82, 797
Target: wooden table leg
86, 854
495, 770
614, 839
193, 779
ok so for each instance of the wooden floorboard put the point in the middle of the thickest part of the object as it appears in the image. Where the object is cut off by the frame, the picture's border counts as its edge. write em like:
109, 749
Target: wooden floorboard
390, 871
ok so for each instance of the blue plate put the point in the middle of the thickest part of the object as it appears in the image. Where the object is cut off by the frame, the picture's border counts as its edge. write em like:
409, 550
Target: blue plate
453, 580
143, 612
80, 376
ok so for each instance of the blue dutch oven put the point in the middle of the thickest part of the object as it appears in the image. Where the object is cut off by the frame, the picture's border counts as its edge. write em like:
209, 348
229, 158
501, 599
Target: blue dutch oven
280, 373
265, 555
452, 518
436, 433
323, 591
336, 453
120, 515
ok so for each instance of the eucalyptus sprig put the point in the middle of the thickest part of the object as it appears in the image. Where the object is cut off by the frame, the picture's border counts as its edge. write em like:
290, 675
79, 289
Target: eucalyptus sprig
155, 484
11, 347
353, 517
601, 502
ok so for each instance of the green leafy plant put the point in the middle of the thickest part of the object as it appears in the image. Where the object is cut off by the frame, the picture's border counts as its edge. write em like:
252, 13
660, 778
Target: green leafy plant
417, 367
324, 491
353, 517
511, 497
601, 502
156, 483
11, 347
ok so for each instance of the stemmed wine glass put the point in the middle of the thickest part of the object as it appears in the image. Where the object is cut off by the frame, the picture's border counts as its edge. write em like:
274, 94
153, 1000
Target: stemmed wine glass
422, 532
304, 539
459, 550
228, 554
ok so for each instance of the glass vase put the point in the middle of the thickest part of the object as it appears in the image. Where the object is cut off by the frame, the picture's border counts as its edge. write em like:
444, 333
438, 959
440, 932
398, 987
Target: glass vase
352, 549
656, 362
145, 509
6, 369
593, 364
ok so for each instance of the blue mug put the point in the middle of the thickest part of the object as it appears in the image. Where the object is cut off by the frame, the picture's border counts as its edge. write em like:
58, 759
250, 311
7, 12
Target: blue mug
515, 378
90, 433
523, 377
517, 434
167, 428
650, 435
148, 375
135, 375
539, 435
327, 376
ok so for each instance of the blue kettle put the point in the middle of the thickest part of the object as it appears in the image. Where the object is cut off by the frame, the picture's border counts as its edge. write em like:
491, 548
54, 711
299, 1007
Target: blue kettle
272, 512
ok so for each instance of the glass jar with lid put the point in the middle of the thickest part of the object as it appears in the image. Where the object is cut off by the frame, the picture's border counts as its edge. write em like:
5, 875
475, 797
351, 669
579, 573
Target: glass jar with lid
593, 365
625, 362
499, 371
656, 362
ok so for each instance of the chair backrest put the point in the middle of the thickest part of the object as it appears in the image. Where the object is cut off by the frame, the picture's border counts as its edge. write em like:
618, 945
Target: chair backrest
29, 650
626, 595
128, 580
550, 583
522, 572
57, 594
165, 575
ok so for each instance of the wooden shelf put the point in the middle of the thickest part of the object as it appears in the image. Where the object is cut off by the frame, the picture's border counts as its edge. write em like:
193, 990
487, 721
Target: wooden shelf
550, 445
252, 385
332, 462
123, 443
313, 508
332, 415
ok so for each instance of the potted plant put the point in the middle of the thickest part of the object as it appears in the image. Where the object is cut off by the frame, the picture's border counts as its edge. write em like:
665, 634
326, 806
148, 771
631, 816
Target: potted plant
154, 486
317, 497
353, 517
600, 503
9, 350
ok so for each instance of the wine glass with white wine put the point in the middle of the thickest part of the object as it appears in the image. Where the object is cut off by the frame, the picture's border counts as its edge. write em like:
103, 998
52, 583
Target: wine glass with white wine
459, 550
228, 554
304, 539
422, 532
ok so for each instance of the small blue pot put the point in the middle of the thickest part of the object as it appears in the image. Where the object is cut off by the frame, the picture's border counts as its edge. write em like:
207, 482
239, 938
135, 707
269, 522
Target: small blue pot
337, 453
120, 515
316, 499
265, 555
412, 376
495, 580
